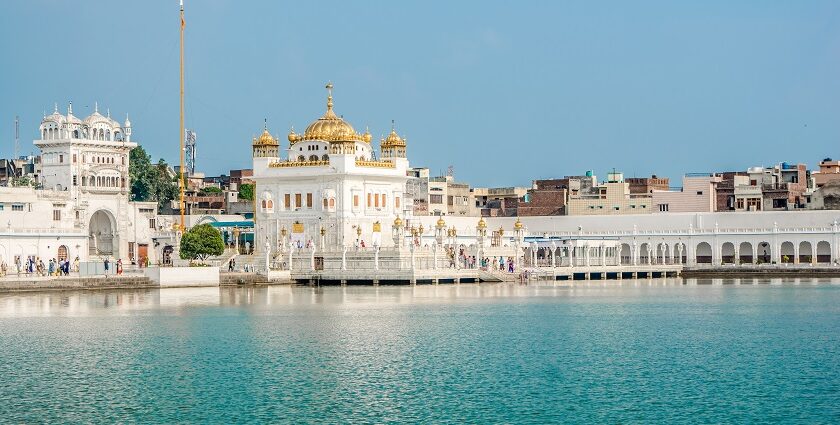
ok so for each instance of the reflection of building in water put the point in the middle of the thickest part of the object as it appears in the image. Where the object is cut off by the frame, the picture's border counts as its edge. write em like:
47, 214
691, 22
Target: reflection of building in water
80, 206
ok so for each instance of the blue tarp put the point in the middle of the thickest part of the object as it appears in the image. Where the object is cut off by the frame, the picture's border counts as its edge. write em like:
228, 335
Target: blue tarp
231, 223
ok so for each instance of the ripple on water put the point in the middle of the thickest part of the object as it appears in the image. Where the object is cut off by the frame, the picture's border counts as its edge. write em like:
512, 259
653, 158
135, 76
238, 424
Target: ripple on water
639, 351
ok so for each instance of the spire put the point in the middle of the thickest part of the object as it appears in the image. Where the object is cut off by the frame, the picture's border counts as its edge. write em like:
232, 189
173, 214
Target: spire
393, 125
70, 109
96, 107
109, 112
55, 111
265, 124
329, 96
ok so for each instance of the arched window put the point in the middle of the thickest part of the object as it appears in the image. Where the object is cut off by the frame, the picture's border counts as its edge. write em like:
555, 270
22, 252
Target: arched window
44, 136
108, 135
325, 203
301, 158
75, 134
332, 202
325, 157
313, 157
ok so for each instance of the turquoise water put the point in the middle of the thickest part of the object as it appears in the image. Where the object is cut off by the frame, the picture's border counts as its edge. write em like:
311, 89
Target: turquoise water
632, 352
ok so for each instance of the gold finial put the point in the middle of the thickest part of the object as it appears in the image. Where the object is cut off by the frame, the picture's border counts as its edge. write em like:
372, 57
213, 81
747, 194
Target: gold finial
329, 96
518, 224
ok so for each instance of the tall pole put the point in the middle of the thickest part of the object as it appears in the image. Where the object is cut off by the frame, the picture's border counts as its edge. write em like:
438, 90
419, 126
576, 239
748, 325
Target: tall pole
181, 182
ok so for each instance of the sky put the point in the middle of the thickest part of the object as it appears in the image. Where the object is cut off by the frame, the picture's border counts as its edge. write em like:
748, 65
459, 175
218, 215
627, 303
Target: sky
504, 92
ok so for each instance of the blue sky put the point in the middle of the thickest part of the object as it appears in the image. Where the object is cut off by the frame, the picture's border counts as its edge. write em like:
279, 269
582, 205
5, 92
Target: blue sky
506, 92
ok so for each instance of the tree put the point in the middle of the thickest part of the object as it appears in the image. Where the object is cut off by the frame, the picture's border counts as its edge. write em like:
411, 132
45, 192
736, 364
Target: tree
150, 182
246, 191
201, 242
210, 190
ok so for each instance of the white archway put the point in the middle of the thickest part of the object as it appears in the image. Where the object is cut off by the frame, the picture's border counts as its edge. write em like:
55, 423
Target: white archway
823, 252
102, 235
703, 253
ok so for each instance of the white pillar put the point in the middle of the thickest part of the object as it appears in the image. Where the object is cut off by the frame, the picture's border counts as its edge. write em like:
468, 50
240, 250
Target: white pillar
344, 258
376, 258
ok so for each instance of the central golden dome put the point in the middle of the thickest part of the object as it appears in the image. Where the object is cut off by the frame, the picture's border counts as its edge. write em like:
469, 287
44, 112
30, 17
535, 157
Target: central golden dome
330, 127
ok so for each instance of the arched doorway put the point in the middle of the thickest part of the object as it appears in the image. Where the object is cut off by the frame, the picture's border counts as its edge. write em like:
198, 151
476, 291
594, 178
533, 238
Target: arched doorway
644, 253
787, 252
703, 253
805, 252
745, 252
680, 253
102, 238
626, 254
764, 253
727, 253
62, 253
823, 252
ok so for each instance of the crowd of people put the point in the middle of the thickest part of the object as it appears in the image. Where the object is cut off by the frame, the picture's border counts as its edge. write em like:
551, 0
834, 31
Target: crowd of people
36, 266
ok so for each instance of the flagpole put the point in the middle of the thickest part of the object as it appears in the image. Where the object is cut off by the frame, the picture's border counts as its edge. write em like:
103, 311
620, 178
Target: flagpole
181, 182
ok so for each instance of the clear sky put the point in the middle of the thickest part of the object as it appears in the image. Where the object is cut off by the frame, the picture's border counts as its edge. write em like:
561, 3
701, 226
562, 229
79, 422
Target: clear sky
506, 92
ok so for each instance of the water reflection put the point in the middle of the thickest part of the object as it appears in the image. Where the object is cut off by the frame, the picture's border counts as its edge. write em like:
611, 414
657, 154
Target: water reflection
177, 300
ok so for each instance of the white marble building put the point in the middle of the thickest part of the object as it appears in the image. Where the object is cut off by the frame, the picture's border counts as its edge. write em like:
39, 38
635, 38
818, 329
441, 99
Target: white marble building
329, 190
82, 207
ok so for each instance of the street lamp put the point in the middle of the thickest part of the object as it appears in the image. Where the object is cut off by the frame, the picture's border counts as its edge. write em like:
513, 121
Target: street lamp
440, 226
397, 232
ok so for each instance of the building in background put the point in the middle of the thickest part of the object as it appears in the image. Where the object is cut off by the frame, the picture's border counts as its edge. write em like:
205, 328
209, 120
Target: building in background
697, 194
829, 171
642, 185
612, 197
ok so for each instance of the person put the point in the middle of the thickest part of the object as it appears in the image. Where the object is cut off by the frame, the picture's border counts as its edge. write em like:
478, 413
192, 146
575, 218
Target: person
107, 265
76, 264
18, 266
363, 244
230, 264
119, 266
51, 267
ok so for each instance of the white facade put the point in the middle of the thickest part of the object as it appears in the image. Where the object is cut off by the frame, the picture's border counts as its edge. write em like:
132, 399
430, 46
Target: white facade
83, 209
329, 191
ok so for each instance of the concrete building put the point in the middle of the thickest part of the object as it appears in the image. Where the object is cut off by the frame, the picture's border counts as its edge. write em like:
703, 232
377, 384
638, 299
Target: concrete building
484, 196
612, 197
642, 185
829, 171
782, 187
697, 194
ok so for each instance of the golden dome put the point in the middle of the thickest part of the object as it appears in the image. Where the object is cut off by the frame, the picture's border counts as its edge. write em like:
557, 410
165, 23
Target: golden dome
441, 223
330, 127
518, 224
482, 224
265, 139
398, 222
393, 139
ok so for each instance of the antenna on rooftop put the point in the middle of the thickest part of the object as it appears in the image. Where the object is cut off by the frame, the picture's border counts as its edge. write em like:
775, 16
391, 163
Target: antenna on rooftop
17, 136
450, 171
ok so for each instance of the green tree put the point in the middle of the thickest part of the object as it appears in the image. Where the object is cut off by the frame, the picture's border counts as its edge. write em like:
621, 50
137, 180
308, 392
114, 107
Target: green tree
210, 190
150, 182
246, 191
201, 242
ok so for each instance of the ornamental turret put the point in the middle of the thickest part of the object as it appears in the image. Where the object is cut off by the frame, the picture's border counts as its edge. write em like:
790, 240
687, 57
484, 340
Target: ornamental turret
266, 146
392, 146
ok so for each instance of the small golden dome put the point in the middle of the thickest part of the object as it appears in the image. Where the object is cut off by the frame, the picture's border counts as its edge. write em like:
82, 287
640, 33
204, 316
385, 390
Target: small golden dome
266, 139
393, 139
293, 137
518, 224
367, 136
482, 224
441, 223
398, 222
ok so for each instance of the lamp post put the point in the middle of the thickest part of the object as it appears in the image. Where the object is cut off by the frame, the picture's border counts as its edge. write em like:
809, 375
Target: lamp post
283, 233
481, 233
440, 228
397, 232
323, 238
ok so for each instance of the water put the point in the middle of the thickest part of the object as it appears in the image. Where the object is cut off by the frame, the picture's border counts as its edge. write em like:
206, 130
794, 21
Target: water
632, 352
